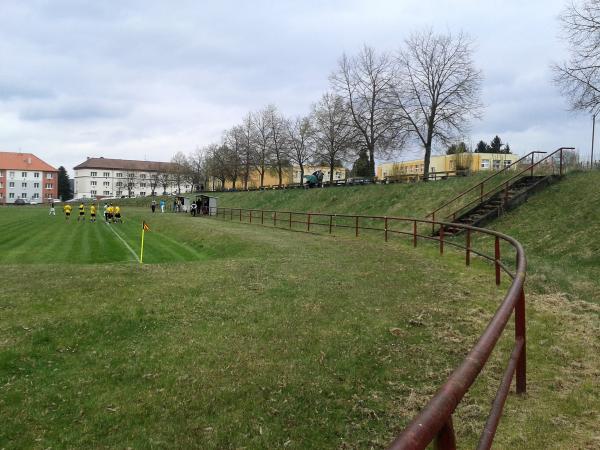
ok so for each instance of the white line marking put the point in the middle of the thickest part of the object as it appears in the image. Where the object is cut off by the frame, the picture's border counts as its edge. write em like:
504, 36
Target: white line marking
123, 241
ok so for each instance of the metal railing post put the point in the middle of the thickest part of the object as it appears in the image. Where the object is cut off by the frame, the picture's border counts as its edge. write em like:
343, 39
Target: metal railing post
468, 248
560, 170
520, 331
497, 259
290, 220
231, 213
433, 223
240, 214
274, 218
414, 233
308, 222
330, 223
442, 240
385, 227
356, 226
445, 439
262, 216
532, 162
250, 216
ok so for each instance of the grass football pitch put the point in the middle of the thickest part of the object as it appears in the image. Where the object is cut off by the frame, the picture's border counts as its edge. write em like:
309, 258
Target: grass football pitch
238, 336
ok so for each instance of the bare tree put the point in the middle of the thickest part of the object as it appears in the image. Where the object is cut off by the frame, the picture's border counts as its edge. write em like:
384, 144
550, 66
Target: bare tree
216, 164
300, 133
579, 76
130, 183
436, 88
334, 135
178, 170
279, 149
246, 130
154, 181
364, 82
196, 164
262, 143
164, 180
233, 146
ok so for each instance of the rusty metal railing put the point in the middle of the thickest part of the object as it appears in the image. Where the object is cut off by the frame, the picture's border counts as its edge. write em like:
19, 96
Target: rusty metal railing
434, 422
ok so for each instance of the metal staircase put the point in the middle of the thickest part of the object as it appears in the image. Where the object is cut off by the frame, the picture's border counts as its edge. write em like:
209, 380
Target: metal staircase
502, 191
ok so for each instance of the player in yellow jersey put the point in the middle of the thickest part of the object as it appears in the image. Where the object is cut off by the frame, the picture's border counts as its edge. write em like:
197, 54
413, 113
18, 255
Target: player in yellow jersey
92, 213
110, 211
67, 210
118, 214
81, 212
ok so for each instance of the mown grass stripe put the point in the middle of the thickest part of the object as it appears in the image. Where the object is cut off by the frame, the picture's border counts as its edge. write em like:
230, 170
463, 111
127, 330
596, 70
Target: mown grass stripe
131, 250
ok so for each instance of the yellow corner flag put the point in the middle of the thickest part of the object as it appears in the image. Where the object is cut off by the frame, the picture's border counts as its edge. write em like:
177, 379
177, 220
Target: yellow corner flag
145, 228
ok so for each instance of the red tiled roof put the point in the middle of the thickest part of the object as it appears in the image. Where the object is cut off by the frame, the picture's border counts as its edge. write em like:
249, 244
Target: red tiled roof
24, 161
124, 164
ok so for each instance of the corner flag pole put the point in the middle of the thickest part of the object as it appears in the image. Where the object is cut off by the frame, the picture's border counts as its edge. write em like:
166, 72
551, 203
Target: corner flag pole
145, 228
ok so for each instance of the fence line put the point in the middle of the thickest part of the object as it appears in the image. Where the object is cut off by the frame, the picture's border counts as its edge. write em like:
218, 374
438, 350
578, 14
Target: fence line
434, 422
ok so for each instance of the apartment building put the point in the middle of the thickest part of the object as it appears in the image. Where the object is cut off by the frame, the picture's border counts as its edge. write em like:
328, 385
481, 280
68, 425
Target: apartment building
290, 175
473, 162
107, 177
25, 176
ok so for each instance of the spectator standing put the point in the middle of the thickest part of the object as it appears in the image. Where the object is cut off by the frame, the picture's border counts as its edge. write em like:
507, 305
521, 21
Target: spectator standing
153, 205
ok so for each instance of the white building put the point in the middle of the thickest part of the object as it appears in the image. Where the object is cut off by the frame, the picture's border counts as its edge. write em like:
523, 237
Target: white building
106, 177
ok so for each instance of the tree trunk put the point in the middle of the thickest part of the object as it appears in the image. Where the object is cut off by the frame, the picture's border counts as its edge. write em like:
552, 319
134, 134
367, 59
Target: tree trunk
331, 167
280, 173
426, 161
372, 160
301, 173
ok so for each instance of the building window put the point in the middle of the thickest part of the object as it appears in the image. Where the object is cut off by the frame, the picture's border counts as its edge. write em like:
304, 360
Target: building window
92, 183
24, 174
142, 194
119, 183
142, 175
107, 174
48, 195
24, 195
131, 175
11, 195
11, 174
1, 185
11, 184
48, 185
106, 192
507, 162
119, 192
119, 175
49, 176
432, 169
106, 183
142, 184
36, 185
24, 185
485, 163
93, 174
36, 195
36, 175
93, 192
496, 164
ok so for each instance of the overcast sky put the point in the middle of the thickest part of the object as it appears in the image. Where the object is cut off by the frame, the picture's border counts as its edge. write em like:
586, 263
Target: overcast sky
144, 79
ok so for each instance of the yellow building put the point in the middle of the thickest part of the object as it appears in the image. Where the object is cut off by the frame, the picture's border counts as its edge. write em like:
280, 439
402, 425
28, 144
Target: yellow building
291, 175
473, 162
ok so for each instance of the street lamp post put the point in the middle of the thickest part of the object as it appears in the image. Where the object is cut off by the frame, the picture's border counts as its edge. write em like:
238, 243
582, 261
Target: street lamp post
593, 131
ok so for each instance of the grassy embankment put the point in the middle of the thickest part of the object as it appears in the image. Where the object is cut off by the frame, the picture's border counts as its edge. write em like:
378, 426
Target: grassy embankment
558, 228
263, 338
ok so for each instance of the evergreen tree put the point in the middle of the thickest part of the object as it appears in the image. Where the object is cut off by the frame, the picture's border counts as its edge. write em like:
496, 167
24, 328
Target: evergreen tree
64, 186
454, 149
361, 167
496, 145
482, 147
506, 148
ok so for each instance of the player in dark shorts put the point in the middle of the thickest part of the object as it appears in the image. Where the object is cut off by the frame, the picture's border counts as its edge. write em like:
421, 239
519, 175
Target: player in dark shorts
81, 212
118, 214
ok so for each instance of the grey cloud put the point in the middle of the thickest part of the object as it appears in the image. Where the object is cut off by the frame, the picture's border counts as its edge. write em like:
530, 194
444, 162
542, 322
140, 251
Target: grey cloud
72, 111
15, 91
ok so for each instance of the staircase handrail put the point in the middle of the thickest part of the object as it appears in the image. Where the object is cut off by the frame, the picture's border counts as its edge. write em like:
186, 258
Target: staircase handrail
481, 183
505, 183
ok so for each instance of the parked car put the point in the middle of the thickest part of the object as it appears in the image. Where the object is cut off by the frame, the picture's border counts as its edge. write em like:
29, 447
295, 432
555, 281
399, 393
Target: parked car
20, 201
